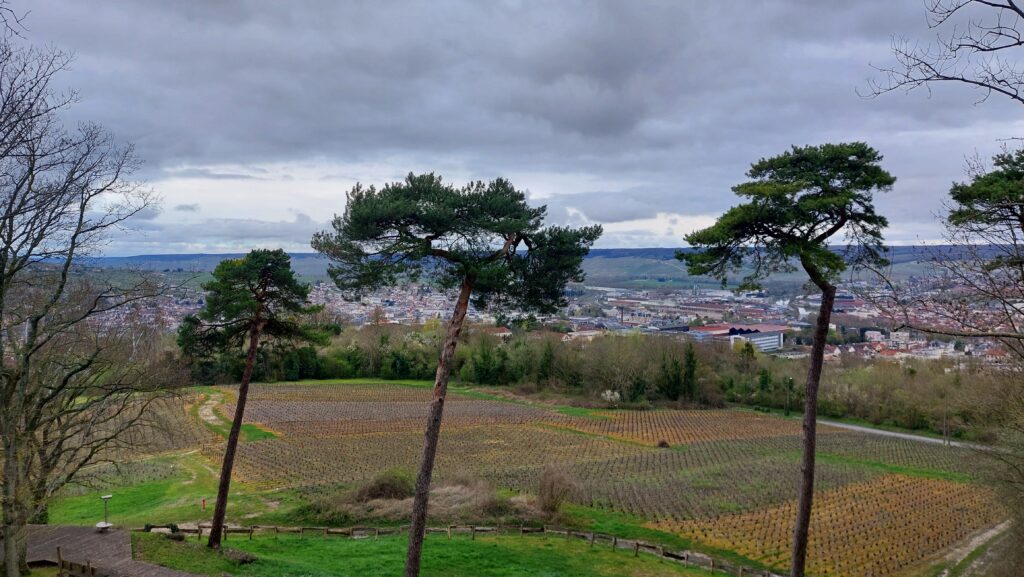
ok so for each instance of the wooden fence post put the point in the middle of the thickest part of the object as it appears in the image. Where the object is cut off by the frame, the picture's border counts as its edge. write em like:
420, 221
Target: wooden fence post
636, 548
472, 533
615, 543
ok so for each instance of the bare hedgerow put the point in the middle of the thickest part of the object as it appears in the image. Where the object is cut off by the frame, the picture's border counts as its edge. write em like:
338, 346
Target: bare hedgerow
556, 485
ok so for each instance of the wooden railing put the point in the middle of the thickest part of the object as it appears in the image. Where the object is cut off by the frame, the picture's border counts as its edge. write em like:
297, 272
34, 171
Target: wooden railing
67, 568
636, 546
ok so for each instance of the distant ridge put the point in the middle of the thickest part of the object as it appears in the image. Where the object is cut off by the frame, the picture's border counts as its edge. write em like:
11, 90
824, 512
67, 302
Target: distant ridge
201, 262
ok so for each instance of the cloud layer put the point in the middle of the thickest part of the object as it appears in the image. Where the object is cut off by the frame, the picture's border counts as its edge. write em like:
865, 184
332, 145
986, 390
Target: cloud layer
254, 118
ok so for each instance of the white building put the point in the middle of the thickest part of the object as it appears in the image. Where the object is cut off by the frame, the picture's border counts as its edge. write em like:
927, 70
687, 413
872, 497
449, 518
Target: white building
765, 342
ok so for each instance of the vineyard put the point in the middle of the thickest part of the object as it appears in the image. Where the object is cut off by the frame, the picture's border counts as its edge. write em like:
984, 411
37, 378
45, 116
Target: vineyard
859, 529
727, 479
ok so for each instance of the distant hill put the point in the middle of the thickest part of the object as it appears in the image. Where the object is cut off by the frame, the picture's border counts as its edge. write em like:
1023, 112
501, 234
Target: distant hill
624, 267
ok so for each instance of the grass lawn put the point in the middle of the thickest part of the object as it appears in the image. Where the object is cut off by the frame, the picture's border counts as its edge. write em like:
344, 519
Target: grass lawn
634, 527
504, 556
176, 499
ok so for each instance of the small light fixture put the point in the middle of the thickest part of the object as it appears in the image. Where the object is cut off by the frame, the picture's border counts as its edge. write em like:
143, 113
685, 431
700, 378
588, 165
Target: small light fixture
105, 525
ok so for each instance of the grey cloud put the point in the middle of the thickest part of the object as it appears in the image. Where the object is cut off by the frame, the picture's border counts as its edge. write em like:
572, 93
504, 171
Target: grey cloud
223, 233
621, 206
194, 207
147, 213
210, 174
681, 96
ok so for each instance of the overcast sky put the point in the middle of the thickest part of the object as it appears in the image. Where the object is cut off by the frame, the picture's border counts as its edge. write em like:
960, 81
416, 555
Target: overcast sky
255, 117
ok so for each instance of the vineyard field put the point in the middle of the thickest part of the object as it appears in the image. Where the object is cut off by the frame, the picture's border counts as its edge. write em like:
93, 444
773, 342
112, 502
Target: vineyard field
727, 479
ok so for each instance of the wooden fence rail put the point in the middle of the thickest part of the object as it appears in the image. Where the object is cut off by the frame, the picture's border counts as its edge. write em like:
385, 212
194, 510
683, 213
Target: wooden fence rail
71, 569
685, 557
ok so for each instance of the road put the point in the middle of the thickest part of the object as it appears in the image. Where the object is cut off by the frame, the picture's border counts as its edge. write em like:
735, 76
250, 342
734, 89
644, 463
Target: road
906, 436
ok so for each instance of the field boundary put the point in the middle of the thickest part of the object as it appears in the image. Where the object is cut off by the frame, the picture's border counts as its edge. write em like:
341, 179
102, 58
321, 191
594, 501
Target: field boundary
684, 557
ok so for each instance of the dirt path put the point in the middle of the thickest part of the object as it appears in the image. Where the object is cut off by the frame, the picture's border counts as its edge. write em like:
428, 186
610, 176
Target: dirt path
206, 410
959, 553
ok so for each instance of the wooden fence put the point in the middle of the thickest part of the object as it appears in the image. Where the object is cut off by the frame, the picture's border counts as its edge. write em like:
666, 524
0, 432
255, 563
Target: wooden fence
685, 557
67, 568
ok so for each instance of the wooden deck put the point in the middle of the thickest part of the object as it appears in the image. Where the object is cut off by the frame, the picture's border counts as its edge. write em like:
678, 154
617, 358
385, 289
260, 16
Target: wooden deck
110, 553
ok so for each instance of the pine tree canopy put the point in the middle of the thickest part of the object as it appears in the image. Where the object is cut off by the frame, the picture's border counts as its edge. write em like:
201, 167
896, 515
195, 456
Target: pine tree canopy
796, 202
259, 288
483, 233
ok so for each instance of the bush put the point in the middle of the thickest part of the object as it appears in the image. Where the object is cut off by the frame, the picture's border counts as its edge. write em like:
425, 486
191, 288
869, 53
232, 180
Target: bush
239, 557
393, 484
555, 487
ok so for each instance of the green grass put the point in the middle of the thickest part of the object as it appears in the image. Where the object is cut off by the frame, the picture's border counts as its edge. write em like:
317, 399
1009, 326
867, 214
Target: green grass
627, 526
419, 383
497, 556
582, 412
249, 432
176, 499
961, 567
835, 459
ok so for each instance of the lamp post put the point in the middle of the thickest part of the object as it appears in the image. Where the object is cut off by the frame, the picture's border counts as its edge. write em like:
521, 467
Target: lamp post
104, 525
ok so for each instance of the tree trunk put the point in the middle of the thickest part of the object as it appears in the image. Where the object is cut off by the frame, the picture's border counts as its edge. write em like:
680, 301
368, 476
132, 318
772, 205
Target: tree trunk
444, 368
13, 525
803, 514
221, 508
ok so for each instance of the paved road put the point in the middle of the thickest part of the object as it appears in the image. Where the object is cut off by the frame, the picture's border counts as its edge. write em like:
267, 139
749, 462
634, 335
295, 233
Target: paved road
907, 436
110, 553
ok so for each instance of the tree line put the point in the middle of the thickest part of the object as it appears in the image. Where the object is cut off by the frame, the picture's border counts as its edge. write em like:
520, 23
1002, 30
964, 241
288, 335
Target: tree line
643, 370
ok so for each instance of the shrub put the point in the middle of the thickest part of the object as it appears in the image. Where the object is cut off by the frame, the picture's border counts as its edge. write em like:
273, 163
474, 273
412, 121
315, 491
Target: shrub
393, 484
555, 487
239, 557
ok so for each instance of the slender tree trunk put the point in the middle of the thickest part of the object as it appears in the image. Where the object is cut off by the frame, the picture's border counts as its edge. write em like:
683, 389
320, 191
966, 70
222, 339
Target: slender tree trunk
221, 508
23, 568
13, 525
803, 514
444, 368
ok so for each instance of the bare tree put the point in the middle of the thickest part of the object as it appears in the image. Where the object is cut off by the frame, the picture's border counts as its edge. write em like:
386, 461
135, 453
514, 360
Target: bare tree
978, 291
974, 45
69, 389
981, 293
11, 21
